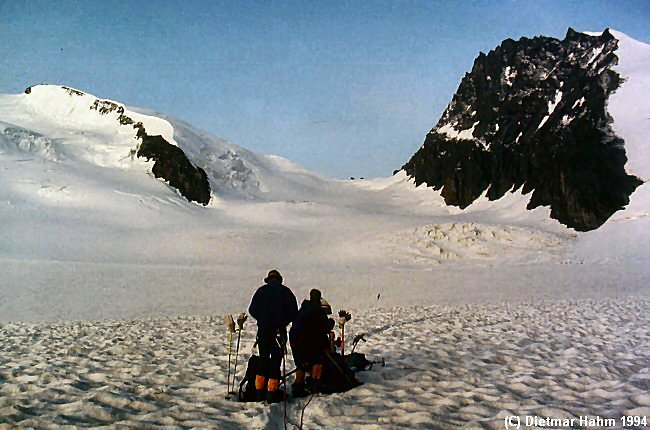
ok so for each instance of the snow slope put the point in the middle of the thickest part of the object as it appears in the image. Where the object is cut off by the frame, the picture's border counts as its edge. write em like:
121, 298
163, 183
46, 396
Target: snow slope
479, 313
630, 109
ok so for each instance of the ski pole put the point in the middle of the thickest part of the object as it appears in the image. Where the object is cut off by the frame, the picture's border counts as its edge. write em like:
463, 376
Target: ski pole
229, 355
292, 372
240, 323
231, 329
356, 340
344, 316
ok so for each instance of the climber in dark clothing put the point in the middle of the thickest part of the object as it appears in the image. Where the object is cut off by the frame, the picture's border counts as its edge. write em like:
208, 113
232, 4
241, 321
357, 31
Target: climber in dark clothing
309, 337
273, 306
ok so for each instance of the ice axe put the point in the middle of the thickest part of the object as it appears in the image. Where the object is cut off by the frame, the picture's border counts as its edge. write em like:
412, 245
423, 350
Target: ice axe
382, 362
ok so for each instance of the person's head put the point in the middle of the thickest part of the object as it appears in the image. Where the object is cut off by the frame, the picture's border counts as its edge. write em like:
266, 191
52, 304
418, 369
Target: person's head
314, 296
273, 277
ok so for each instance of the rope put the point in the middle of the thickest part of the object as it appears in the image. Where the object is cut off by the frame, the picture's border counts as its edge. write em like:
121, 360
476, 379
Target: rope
302, 414
283, 345
284, 382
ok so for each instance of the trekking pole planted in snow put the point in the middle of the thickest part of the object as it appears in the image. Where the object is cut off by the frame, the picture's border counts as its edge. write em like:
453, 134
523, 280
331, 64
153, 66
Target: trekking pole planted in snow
230, 324
356, 340
241, 319
344, 316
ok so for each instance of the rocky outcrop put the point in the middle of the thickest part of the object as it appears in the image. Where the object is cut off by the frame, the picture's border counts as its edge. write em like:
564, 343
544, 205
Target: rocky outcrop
170, 162
532, 114
172, 165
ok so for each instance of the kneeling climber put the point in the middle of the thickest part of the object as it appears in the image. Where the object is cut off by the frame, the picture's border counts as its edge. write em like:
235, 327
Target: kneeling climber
309, 338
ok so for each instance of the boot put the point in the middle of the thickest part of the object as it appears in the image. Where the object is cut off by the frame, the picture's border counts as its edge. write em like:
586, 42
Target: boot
316, 373
314, 386
260, 388
260, 395
274, 394
298, 387
298, 390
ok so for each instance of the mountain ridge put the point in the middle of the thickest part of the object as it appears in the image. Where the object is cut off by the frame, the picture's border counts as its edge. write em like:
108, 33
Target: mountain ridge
110, 134
89, 232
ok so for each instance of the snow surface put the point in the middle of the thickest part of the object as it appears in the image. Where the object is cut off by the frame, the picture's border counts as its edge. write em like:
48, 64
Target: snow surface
447, 366
116, 285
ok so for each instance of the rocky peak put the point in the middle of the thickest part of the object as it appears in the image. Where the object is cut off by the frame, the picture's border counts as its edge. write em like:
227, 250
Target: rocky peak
532, 113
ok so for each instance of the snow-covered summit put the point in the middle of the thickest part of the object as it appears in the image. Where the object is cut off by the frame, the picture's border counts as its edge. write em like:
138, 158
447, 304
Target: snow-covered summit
55, 104
93, 133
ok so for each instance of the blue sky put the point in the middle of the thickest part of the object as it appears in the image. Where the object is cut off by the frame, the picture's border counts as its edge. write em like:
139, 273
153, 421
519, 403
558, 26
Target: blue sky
345, 88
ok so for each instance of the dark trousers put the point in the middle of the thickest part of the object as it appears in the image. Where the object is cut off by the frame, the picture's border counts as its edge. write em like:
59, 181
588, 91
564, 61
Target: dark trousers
307, 353
270, 354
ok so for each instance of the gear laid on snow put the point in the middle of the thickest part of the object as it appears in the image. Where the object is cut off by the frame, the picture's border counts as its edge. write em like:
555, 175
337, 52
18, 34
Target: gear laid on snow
247, 385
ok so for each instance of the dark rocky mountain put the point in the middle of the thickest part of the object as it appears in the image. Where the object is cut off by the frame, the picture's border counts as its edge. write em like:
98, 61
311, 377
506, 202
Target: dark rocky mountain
532, 114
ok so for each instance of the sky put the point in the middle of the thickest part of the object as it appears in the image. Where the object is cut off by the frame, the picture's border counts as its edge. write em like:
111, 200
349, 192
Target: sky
344, 88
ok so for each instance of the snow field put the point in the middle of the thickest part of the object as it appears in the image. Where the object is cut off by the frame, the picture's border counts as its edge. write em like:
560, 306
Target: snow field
447, 367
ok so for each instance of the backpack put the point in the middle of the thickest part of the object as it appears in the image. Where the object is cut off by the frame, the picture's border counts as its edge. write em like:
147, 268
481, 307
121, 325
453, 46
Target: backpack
357, 362
337, 375
247, 385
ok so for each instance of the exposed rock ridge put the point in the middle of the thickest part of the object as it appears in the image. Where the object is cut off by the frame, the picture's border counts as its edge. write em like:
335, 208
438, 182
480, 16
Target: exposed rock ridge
532, 113
170, 162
